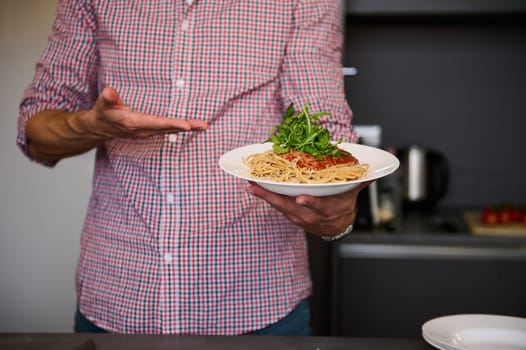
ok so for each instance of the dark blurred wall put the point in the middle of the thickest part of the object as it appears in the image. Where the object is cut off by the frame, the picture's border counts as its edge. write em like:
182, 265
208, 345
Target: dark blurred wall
452, 82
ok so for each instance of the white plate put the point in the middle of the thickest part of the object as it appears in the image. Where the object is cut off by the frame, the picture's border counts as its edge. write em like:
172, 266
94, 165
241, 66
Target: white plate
476, 332
381, 163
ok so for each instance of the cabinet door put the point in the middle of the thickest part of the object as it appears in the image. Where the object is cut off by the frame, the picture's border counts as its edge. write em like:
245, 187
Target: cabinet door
392, 294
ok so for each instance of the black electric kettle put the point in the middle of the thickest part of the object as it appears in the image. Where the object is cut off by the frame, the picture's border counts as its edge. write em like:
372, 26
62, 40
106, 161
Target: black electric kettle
424, 177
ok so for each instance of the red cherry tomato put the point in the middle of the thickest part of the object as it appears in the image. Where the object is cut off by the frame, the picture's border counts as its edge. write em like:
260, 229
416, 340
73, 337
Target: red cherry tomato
504, 215
489, 216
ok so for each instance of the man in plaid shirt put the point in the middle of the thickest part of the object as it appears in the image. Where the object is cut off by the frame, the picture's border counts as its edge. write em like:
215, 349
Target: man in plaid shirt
161, 89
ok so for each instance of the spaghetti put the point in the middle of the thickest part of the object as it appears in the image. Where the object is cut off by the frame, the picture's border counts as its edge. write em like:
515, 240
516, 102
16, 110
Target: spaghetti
301, 167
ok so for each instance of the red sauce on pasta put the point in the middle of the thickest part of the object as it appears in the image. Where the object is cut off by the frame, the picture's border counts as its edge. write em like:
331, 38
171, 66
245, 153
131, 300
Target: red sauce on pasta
305, 160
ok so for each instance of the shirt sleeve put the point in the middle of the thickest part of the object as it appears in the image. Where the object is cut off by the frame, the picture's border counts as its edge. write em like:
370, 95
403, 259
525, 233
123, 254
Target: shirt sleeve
65, 74
312, 69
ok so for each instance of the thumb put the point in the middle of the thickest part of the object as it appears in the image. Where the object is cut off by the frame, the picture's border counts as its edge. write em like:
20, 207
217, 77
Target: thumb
108, 98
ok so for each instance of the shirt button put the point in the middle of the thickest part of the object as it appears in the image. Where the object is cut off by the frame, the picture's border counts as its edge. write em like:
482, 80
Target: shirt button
168, 258
185, 25
179, 83
189, 2
172, 137
170, 198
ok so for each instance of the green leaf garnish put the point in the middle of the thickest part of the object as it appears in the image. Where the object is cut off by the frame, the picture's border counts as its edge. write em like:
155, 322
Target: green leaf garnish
302, 131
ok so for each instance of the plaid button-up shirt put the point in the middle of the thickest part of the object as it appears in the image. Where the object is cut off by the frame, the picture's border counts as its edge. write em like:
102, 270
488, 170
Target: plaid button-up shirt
170, 243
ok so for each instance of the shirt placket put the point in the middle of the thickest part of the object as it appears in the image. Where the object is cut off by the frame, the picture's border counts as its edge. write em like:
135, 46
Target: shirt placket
173, 179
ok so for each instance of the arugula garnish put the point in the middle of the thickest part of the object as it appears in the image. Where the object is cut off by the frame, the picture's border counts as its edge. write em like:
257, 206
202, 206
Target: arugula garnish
302, 131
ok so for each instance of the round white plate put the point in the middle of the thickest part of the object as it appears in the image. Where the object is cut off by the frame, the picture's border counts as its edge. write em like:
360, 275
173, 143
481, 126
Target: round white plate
381, 163
476, 332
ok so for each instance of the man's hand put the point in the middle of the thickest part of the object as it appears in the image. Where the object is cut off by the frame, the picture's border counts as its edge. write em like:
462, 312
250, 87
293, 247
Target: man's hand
56, 134
110, 118
321, 216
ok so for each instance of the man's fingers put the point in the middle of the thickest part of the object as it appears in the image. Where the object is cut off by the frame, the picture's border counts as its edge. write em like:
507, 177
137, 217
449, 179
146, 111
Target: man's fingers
164, 124
108, 98
198, 124
320, 204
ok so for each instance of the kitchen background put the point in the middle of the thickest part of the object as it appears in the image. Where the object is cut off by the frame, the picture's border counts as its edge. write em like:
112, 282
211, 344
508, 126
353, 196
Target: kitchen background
448, 75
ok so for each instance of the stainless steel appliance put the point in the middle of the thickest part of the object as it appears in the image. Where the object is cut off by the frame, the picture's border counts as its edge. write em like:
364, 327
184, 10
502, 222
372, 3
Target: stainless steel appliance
424, 176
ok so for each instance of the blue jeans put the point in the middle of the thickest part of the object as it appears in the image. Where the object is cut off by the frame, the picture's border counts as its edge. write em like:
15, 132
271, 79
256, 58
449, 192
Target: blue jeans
297, 322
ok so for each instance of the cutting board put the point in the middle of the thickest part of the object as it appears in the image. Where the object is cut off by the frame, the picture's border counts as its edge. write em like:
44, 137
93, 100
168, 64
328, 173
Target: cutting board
477, 227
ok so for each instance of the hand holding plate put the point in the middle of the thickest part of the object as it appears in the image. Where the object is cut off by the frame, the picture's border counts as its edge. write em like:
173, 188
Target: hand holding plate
321, 216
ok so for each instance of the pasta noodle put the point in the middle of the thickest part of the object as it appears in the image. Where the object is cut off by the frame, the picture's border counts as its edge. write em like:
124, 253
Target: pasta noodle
299, 167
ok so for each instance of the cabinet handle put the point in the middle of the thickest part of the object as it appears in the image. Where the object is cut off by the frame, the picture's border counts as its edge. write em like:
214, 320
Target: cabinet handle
350, 71
390, 251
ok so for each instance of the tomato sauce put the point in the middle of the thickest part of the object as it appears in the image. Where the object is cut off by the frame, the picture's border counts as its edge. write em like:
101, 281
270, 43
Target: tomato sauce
305, 160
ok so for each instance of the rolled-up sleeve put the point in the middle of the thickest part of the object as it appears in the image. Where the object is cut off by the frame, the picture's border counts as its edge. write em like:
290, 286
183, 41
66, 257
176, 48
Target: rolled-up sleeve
65, 74
312, 69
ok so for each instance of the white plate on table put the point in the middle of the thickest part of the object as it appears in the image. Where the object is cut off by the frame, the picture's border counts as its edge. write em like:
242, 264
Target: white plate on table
476, 332
381, 163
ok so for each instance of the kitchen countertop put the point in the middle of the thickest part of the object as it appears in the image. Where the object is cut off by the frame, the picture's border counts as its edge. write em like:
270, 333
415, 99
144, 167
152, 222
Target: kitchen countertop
424, 238
443, 233
131, 342
442, 224
431, 245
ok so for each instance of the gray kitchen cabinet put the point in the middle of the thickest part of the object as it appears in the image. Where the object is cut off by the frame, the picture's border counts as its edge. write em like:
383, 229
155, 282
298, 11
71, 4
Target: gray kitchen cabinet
453, 83
431, 7
386, 285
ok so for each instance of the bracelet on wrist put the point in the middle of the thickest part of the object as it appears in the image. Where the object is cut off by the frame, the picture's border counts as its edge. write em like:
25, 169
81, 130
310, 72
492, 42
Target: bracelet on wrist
347, 231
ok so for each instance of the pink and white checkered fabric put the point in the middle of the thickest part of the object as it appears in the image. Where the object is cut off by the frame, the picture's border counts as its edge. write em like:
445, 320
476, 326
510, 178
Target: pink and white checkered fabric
170, 243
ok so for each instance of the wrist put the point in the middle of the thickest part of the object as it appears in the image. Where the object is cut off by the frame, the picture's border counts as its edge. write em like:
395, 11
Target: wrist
80, 122
83, 125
